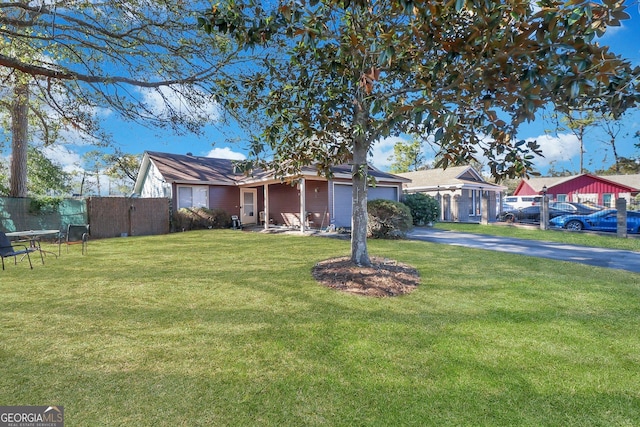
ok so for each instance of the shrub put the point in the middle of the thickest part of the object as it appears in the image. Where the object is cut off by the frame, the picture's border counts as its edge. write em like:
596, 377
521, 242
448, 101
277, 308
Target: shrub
424, 208
200, 218
388, 219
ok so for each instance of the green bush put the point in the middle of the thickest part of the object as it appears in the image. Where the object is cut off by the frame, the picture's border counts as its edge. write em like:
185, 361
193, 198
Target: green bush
425, 209
388, 219
200, 218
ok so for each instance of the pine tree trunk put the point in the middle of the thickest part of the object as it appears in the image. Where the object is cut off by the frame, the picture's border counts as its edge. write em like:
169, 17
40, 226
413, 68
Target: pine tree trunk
20, 132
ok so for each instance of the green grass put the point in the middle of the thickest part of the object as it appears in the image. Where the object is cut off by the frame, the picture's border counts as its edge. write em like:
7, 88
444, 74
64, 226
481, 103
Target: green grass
603, 240
228, 328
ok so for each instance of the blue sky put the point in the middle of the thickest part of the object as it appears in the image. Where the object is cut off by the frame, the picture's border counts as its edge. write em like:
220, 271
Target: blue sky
561, 151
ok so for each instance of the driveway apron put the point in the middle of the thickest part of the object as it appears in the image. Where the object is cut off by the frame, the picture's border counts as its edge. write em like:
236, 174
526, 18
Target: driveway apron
600, 257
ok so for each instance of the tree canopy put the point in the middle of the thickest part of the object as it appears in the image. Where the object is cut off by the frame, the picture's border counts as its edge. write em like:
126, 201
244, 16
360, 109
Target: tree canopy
65, 62
407, 157
336, 76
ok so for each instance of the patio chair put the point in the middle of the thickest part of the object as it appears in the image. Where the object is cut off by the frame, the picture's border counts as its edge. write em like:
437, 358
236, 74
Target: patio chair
12, 250
77, 234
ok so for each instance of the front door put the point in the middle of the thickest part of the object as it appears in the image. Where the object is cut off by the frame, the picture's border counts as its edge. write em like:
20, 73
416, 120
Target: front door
248, 198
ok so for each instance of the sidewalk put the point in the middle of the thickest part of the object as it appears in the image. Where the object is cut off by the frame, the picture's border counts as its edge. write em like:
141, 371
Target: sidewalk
600, 257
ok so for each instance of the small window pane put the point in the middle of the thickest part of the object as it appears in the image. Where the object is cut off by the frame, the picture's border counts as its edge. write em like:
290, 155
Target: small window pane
185, 198
200, 197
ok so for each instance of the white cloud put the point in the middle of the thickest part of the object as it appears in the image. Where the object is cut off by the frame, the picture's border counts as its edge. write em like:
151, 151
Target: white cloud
69, 160
556, 149
560, 148
158, 100
382, 150
225, 153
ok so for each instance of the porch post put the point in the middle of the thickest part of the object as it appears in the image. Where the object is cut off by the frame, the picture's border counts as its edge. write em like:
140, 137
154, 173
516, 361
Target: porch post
303, 204
484, 206
266, 206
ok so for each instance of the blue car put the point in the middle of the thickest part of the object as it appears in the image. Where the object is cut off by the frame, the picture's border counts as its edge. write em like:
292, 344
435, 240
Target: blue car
606, 220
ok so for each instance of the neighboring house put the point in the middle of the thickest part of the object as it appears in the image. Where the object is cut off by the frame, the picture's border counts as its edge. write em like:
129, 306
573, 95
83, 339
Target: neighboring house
583, 188
193, 181
463, 194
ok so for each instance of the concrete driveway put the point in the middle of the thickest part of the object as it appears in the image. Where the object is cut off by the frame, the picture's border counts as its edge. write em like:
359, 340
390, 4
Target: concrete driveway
600, 257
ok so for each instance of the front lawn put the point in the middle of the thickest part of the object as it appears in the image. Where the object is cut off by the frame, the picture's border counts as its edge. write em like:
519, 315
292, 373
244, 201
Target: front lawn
228, 328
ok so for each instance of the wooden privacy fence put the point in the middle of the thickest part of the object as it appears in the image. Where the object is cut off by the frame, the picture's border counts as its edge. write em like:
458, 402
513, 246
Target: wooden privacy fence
107, 216
124, 216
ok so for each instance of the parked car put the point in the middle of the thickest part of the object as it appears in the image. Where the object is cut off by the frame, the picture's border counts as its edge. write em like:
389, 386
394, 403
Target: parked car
517, 202
530, 214
605, 220
575, 208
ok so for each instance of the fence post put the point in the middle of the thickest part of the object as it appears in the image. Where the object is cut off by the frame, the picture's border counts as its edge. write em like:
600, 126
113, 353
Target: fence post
621, 207
544, 213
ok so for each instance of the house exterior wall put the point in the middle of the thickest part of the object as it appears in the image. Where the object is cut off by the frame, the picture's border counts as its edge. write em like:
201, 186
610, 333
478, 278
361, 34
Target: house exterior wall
226, 198
317, 203
284, 204
154, 185
456, 206
222, 197
585, 188
581, 189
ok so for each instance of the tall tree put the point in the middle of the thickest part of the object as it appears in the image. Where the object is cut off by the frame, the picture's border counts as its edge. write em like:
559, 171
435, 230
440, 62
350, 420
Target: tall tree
46, 177
578, 122
338, 75
76, 56
407, 157
123, 168
612, 127
624, 165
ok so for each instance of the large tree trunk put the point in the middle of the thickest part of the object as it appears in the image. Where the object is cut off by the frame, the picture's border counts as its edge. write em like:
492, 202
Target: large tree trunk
359, 218
20, 132
359, 171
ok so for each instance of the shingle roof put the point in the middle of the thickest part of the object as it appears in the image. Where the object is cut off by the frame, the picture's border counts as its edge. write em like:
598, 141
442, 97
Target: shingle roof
188, 168
178, 167
628, 180
449, 177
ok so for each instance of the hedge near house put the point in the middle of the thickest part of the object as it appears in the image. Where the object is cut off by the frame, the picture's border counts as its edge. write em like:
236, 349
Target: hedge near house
388, 219
200, 218
425, 209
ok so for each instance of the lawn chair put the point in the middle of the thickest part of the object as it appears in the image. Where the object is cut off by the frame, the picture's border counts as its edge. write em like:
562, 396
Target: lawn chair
77, 234
10, 250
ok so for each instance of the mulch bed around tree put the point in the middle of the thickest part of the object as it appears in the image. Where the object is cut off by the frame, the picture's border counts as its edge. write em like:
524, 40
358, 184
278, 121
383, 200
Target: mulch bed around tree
385, 277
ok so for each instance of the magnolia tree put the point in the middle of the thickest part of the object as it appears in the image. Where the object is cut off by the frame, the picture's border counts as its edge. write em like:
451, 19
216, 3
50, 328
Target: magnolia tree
337, 76
65, 62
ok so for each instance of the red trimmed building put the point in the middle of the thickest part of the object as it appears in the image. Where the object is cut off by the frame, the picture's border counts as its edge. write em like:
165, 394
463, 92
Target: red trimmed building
584, 188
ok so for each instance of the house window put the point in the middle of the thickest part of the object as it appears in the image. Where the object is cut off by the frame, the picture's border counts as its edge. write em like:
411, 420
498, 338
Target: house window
607, 200
561, 198
192, 197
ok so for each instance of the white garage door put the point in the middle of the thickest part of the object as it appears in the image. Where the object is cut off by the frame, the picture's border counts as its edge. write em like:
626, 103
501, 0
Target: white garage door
342, 201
